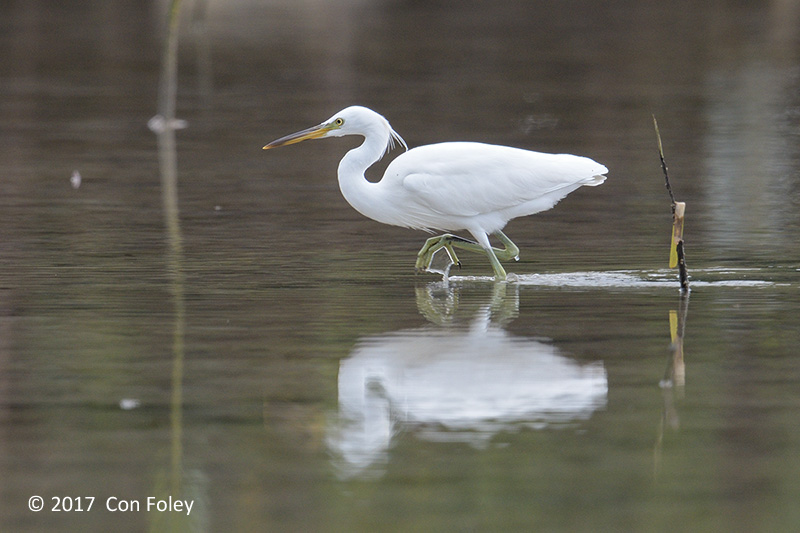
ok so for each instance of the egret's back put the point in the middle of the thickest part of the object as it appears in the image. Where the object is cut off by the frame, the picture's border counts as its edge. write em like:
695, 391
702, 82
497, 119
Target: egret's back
464, 185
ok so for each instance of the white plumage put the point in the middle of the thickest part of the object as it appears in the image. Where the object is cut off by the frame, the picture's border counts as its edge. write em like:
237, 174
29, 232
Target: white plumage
449, 186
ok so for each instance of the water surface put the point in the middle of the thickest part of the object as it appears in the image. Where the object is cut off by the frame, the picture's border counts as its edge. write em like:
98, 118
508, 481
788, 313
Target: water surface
201, 319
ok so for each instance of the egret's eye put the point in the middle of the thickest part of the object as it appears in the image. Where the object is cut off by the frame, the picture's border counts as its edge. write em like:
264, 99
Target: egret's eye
339, 121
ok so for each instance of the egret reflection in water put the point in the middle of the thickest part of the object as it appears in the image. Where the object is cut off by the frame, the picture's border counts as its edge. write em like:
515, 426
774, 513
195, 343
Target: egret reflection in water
456, 382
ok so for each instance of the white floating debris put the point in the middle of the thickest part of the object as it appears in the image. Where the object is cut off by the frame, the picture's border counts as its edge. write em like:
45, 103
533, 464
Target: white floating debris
126, 404
159, 124
75, 179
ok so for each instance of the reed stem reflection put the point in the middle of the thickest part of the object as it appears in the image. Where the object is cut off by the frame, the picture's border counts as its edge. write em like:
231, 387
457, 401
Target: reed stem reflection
168, 166
674, 380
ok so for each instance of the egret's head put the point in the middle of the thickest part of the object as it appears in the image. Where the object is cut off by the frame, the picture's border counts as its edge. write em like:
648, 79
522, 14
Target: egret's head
354, 120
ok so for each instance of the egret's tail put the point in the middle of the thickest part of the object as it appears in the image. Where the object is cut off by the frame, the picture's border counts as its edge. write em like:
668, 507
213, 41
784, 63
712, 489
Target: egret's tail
598, 178
594, 181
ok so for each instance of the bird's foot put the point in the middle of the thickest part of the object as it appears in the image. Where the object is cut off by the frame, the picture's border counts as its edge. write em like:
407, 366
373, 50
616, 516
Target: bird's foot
432, 246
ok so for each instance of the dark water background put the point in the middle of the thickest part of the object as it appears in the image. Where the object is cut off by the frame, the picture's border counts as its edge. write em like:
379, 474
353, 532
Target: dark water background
249, 342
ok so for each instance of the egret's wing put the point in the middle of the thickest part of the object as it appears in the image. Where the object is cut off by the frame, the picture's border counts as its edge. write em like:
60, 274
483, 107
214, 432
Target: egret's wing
468, 179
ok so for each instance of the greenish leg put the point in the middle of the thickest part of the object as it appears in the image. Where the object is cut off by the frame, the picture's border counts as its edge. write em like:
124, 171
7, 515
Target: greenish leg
499, 271
446, 241
511, 251
449, 242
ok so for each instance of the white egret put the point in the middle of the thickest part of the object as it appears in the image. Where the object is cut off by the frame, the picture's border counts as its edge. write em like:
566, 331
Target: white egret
449, 186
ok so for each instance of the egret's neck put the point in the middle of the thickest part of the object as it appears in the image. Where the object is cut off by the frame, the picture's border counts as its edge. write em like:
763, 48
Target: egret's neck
359, 192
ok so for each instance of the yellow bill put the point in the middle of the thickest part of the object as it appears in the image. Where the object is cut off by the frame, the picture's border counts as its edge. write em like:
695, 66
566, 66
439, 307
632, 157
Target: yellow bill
311, 133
